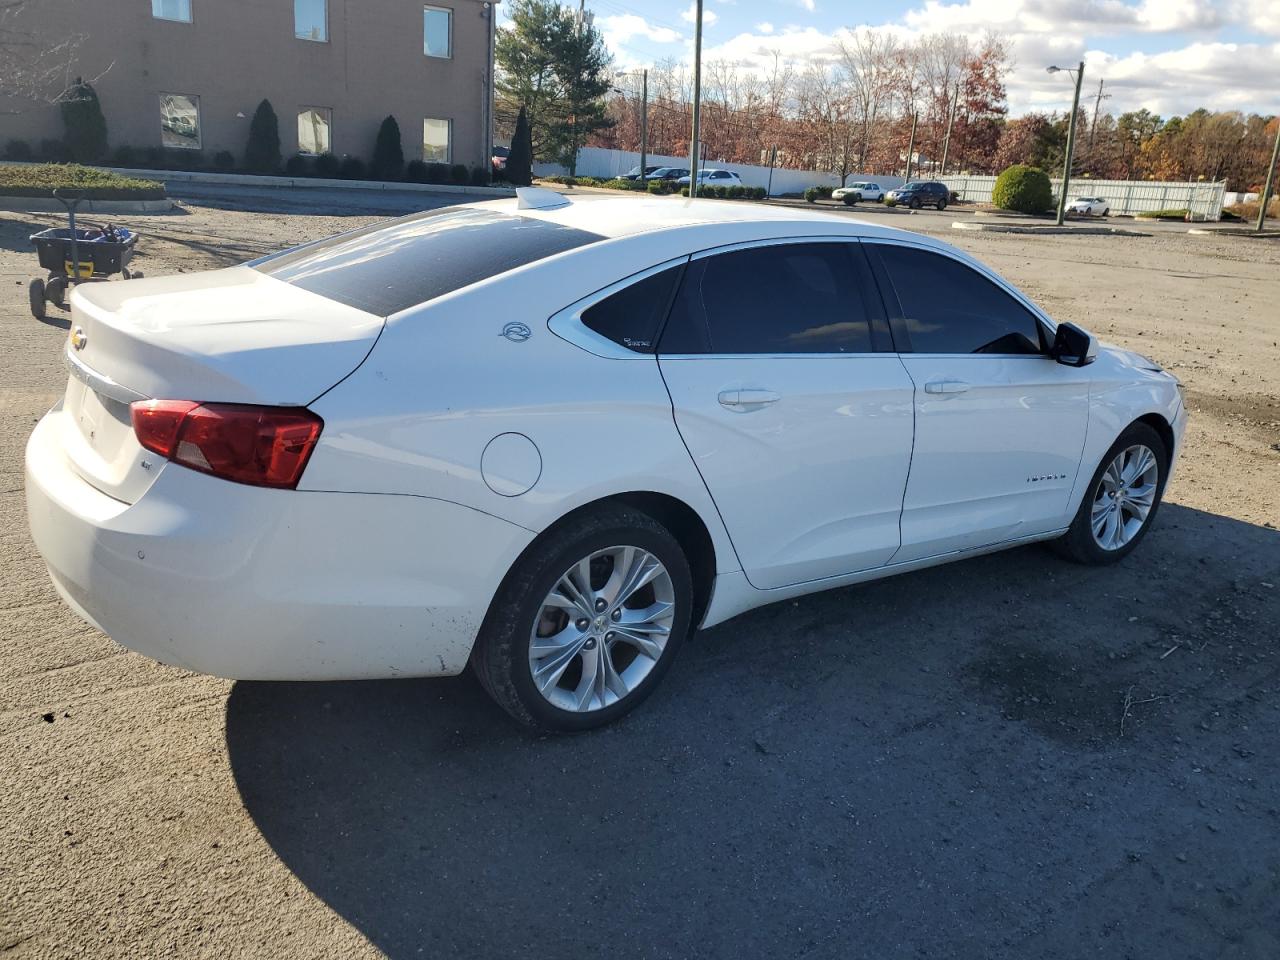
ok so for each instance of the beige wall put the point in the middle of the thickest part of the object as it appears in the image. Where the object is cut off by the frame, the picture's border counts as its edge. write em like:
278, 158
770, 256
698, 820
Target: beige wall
236, 52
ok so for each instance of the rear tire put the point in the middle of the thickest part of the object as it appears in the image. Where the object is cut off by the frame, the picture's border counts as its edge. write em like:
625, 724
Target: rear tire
35, 293
55, 291
1080, 543
504, 658
942, 205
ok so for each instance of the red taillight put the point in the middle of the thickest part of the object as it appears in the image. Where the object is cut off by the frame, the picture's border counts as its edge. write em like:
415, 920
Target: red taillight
265, 446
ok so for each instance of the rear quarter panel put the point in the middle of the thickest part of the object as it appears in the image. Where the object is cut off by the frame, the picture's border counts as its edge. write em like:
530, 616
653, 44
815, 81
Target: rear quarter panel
443, 382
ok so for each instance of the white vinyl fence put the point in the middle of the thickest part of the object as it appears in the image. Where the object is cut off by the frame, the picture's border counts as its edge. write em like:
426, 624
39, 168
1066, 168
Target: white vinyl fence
1204, 200
599, 162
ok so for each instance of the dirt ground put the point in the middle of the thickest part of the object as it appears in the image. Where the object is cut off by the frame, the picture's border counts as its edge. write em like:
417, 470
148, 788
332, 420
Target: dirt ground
1007, 757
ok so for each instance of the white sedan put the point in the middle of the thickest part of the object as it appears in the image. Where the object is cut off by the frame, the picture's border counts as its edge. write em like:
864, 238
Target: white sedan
860, 191
335, 463
1089, 206
715, 178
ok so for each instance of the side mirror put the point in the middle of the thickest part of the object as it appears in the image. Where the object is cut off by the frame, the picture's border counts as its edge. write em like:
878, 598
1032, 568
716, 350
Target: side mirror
1074, 346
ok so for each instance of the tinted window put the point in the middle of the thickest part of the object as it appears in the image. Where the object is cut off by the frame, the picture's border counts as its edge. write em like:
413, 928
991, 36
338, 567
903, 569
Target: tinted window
393, 265
631, 317
786, 298
948, 307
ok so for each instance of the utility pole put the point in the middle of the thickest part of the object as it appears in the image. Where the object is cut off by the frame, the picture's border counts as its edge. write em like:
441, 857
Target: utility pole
1071, 144
644, 123
911, 144
697, 101
1266, 190
1097, 102
946, 143
773, 158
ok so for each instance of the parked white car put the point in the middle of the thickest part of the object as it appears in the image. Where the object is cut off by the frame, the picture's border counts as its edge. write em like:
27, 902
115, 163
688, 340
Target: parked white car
863, 190
332, 463
1089, 206
715, 178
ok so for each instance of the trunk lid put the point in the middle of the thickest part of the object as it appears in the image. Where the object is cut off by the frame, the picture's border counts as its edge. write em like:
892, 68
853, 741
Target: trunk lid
234, 335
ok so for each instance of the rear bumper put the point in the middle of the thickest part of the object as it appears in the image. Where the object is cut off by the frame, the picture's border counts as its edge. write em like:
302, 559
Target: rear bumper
251, 583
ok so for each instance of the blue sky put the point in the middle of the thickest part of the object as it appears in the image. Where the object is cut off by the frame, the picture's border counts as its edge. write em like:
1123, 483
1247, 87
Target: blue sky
1169, 56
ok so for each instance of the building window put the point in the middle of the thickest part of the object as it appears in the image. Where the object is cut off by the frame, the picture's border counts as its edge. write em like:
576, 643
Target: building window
313, 130
311, 20
171, 10
435, 140
437, 32
179, 121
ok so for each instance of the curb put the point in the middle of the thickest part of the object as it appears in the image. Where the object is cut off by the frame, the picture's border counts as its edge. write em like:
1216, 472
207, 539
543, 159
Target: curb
52, 205
1035, 228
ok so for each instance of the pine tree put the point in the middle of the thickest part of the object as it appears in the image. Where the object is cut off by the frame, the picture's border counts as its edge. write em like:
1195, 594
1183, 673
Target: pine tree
388, 155
262, 152
555, 66
520, 161
86, 127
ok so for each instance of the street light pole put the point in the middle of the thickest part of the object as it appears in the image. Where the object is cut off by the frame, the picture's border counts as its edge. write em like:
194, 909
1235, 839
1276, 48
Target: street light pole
1071, 141
697, 101
1266, 190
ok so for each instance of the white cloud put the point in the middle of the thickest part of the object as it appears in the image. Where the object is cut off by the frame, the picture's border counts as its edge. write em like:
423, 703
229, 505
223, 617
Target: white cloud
691, 15
619, 29
1095, 17
809, 5
1211, 72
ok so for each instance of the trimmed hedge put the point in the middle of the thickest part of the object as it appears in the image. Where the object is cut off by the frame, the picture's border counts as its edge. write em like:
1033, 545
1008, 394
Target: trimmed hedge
43, 179
1172, 213
1023, 189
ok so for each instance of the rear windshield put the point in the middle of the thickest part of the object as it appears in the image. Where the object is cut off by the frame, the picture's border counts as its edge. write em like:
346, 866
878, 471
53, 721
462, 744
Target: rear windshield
393, 265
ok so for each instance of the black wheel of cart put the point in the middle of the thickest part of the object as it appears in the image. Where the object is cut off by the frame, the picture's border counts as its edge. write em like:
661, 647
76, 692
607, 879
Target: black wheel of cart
36, 291
55, 291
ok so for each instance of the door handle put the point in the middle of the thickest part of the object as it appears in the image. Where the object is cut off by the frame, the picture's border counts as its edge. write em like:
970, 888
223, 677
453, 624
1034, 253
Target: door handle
946, 386
743, 400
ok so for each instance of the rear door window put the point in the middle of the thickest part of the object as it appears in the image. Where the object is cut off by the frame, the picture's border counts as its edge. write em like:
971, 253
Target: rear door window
774, 299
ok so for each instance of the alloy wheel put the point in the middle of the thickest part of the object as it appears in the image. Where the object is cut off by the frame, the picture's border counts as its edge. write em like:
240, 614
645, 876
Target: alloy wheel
1125, 496
602, 629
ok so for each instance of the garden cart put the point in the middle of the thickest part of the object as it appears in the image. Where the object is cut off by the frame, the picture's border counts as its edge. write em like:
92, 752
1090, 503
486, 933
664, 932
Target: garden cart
74, 254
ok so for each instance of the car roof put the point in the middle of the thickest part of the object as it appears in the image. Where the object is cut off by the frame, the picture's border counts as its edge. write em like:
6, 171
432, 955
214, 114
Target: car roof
626, 216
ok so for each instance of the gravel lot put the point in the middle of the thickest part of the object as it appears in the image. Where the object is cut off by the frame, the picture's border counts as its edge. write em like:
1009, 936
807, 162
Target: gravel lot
1008, 757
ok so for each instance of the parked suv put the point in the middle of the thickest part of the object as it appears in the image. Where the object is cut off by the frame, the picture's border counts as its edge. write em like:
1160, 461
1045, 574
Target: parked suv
919, 193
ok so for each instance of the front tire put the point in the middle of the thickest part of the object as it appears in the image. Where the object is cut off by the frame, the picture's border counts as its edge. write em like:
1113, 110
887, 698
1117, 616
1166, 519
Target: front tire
1121, 500
587, 622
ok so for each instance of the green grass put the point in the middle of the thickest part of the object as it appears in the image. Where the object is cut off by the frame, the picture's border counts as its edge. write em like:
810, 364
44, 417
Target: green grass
1173, 213
42, 179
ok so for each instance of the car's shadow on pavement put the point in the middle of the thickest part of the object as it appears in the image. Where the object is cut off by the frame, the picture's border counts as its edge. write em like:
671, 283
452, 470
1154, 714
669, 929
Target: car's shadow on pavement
1007, 757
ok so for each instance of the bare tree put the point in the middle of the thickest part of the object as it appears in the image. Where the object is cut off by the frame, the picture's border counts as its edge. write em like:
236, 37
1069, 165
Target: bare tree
826, 106
868, 58
37, 60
